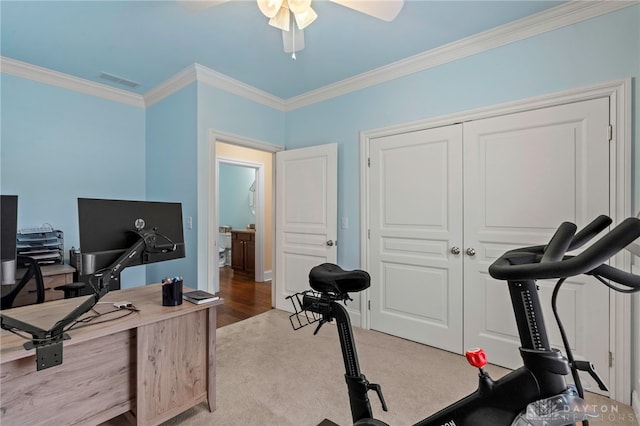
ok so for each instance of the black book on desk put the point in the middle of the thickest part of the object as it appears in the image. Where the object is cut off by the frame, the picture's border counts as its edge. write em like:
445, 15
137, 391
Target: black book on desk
199, 296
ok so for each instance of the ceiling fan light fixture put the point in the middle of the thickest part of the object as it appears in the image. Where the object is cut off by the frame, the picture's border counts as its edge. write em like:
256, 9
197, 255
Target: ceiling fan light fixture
270, 8
299, 6
305, 18
281, 19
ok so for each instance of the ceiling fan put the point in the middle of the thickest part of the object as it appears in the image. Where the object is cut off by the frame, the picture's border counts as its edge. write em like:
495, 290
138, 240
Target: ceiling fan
292, 16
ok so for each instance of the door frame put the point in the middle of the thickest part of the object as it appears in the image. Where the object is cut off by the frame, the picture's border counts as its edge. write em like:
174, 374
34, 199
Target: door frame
259, 206
208, 268
619, 91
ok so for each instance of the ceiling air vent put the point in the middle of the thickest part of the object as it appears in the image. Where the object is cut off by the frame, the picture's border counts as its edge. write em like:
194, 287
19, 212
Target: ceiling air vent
119, 80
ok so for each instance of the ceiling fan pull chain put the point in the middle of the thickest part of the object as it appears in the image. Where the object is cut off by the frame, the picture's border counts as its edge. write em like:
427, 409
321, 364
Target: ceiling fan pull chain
293, 38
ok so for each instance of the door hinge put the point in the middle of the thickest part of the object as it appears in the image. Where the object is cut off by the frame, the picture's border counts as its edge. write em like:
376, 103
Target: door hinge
369, 162
610, 132
369, 305
368, 234
610, 359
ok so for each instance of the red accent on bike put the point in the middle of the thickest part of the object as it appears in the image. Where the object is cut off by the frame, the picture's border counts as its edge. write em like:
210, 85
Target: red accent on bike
476, 357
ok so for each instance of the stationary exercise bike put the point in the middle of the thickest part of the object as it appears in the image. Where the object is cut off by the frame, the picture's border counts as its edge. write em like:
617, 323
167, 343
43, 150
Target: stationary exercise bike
534, 394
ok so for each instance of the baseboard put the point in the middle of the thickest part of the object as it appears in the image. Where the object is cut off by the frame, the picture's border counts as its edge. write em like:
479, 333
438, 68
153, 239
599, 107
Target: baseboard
355, 316
267, 275
635, 403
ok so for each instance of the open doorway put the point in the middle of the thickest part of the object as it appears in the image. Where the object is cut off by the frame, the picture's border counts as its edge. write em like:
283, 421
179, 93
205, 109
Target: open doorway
244, 226
239, 190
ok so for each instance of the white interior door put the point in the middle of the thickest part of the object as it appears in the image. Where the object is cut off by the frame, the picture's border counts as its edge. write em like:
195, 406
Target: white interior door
415, 226
306, 216
524, 174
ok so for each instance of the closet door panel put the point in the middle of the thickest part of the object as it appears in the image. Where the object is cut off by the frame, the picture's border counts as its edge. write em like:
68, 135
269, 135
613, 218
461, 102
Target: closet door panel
415, 217
526, 173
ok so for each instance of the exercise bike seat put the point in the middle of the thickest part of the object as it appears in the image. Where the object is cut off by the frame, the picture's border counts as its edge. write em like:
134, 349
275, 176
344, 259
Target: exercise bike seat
330, 278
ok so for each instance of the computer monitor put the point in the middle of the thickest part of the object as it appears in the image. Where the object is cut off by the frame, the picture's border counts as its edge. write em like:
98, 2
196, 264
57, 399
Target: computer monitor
9, 229
108, 228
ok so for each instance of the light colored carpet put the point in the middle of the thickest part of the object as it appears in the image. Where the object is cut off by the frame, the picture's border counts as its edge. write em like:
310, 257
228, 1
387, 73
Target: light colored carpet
268, 374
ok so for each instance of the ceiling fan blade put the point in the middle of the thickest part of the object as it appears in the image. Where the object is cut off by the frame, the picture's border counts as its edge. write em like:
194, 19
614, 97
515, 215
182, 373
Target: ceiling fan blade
196, 5
387, 10
293, 40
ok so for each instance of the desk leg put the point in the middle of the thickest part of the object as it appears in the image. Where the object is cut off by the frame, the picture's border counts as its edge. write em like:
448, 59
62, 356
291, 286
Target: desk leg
211, 355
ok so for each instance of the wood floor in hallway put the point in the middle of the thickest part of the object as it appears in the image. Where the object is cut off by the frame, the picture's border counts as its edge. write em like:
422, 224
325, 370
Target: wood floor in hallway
243, 297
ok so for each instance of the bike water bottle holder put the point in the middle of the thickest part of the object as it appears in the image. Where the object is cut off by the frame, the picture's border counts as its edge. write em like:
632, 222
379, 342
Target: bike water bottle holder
303, 317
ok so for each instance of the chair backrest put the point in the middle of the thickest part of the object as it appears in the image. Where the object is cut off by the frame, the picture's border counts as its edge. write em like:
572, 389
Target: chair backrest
33, 271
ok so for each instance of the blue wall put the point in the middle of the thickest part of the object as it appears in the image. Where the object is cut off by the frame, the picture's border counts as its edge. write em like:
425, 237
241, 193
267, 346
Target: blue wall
595, 51
58, 145
233, 192
170, 173
229, 113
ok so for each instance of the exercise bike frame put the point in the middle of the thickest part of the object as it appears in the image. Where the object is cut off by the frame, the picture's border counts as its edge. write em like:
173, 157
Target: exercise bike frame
494, 402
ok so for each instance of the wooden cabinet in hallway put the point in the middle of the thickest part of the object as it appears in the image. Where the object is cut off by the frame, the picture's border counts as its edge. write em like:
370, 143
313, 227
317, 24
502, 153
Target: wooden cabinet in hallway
243, 251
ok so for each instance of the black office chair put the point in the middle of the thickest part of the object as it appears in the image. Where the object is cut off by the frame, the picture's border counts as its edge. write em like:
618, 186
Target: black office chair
33, 271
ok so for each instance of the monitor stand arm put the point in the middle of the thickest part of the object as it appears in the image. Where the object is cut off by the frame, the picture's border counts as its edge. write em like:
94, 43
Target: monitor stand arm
147, 239
48, 343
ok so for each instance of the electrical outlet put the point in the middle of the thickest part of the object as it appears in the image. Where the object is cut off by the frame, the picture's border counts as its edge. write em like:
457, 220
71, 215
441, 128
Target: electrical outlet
345, 222
189, 222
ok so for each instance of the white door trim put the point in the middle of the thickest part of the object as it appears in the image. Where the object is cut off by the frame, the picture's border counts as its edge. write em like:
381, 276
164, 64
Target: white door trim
619, 92
207, 203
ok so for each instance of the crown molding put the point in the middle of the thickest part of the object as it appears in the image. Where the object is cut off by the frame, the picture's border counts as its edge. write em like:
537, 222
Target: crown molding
551, 19
223, 82
202, 74
65, 81
168, 87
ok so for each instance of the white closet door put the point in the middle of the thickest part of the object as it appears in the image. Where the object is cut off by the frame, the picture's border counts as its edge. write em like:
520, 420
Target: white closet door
415, 221
524, 174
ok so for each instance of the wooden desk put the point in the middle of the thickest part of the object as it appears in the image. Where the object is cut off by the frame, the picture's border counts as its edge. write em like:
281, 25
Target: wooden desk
155, 363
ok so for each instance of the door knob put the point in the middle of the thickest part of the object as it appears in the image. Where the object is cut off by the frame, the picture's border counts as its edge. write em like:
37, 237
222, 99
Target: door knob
471, 251
455, 250
329, 243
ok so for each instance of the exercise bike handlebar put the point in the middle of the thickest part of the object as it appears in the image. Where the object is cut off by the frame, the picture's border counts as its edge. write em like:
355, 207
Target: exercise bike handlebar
614, 274
559, 243
565, 238
585, 235
527, 263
